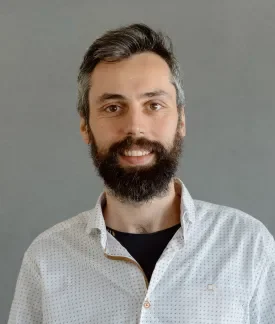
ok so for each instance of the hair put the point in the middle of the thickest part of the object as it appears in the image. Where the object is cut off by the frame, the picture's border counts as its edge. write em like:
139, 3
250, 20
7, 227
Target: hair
118, 44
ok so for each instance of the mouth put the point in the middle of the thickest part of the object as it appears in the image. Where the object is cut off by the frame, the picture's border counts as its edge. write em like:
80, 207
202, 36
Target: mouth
136, 157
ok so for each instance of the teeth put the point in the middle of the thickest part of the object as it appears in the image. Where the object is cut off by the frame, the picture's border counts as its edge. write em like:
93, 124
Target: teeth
136, 153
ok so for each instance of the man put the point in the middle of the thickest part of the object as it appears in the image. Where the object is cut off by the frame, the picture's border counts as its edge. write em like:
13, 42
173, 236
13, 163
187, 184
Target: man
147, 252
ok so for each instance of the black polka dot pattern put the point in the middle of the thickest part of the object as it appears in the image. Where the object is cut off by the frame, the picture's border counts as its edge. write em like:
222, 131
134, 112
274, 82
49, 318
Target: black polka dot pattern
218, 268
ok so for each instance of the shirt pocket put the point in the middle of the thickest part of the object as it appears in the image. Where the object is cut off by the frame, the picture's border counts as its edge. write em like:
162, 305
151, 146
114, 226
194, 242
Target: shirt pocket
221, 303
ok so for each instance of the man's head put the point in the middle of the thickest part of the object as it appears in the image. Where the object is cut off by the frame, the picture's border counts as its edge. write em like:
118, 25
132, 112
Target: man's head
131, 104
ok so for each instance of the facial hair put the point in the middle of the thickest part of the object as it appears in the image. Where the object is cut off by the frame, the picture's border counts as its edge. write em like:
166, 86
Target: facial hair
137, 184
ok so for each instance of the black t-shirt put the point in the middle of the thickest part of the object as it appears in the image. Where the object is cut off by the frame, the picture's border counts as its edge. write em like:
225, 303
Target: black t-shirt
146, 249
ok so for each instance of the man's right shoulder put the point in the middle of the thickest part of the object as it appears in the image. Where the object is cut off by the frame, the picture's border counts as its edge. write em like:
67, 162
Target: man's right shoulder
65, 229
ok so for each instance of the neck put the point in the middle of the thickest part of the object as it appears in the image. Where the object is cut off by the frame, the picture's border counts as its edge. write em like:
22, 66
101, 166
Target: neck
153, 216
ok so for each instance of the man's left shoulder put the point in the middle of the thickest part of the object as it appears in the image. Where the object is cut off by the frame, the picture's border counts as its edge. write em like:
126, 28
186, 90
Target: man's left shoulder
238, 224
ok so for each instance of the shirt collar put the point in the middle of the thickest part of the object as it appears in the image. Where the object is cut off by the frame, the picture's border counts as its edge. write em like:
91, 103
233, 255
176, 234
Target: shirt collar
187, 210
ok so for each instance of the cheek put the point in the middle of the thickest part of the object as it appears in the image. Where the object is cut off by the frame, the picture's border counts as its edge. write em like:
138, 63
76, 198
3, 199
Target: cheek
104, 136
165, 128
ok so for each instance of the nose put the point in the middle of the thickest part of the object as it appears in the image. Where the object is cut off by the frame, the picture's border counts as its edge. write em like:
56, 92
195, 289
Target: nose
134, 122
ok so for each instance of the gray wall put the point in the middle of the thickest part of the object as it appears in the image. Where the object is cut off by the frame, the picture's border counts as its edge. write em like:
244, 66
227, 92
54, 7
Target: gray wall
227, 51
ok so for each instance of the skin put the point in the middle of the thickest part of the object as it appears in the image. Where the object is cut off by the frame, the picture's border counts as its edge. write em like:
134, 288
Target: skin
154, 117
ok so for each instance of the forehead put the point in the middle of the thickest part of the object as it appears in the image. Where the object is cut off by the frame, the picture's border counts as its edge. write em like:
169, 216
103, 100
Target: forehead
136, 74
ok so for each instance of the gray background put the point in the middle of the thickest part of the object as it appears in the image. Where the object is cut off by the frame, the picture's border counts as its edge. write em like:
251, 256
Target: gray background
227, 52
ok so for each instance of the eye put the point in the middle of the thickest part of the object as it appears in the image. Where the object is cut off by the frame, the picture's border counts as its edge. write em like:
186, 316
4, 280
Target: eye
112, 108
155, 106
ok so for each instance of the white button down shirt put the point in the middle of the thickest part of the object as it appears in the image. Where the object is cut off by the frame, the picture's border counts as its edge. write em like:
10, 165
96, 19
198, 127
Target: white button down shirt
218, 268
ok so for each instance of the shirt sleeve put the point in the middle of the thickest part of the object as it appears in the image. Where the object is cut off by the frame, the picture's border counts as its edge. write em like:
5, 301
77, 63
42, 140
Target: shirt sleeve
26, 304
262, 305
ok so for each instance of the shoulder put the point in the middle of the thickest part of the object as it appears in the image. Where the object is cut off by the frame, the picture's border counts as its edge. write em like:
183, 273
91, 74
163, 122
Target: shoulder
57, 237
237, 225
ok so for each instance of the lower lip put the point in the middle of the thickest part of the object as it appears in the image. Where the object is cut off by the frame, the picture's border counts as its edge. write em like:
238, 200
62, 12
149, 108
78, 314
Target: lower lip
137, 160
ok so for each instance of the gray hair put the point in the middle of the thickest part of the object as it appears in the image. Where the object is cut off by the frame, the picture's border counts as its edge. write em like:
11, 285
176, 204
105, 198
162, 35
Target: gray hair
115, 45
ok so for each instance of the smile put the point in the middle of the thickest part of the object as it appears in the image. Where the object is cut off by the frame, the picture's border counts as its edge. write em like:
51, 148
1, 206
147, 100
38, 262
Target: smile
136, 158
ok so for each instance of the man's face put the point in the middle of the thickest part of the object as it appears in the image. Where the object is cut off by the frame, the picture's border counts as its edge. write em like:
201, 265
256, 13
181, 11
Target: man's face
135, 132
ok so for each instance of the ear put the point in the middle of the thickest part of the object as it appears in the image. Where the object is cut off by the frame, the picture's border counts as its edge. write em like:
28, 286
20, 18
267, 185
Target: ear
182, 127
84, 131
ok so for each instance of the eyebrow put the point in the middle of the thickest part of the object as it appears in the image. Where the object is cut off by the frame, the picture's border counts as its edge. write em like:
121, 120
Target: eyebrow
116, 96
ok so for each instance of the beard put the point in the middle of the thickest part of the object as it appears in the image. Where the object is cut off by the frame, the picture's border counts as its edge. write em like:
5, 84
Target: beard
140, 183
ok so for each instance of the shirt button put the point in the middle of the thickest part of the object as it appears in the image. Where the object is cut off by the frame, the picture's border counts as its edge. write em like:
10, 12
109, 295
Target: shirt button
146, 304
211, 287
